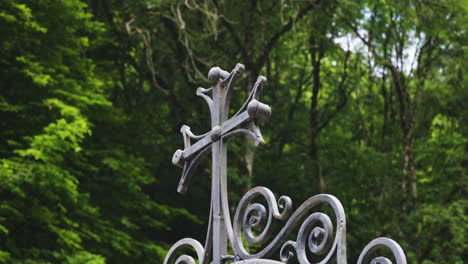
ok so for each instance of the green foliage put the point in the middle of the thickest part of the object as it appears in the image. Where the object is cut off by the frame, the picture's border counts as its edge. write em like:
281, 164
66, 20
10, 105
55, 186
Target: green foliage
53, 209
84, 257
93, 94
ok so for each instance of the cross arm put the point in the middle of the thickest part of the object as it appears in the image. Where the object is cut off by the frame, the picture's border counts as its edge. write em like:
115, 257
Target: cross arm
190, 157
255, 110
218, 98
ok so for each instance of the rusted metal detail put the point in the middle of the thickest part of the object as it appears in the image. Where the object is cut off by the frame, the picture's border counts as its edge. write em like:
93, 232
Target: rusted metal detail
319, 235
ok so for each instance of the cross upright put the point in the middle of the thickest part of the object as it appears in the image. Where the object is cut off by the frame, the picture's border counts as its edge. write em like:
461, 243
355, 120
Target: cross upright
245, 121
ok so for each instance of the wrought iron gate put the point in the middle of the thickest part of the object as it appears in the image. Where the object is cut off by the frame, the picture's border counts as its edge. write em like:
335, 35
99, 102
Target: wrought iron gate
317, 235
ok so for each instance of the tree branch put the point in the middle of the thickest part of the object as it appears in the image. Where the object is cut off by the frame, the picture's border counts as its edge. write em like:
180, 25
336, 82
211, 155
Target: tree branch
282, 31
343, 97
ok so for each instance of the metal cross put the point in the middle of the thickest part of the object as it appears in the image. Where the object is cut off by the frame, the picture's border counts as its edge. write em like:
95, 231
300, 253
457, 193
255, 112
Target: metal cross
245, 121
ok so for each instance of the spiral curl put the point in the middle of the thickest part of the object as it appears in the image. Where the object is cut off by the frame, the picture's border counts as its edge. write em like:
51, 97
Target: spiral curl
287, 251
256, 221
255, 216
185, 259
315, 233
382, 242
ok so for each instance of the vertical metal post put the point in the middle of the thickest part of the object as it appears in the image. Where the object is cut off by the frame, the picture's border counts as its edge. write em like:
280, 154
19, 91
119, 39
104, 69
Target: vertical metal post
219, 171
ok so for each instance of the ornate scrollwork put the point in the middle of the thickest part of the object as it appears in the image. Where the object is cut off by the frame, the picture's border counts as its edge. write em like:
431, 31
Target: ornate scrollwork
185, 259
312, 236
381, 242
315, 233
255, 214
318, 238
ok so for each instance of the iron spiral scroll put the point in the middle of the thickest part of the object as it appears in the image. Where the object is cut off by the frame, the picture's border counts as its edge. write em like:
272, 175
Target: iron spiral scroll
318, 238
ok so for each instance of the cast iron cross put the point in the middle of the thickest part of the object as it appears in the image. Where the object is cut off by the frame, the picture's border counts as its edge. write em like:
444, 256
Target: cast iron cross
245, 121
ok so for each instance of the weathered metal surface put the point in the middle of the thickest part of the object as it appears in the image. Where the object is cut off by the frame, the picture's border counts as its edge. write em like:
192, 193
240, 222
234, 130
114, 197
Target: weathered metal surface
319, 237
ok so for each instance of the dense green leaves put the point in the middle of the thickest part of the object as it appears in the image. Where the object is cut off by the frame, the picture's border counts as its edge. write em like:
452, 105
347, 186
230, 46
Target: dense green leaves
368, 104
54, 208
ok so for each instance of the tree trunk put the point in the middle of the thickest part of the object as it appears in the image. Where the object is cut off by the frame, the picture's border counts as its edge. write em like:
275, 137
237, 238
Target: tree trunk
409, 171
316, 51
316, 169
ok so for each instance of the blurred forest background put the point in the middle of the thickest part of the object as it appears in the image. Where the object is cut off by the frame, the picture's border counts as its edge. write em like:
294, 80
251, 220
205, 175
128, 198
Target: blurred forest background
368, 98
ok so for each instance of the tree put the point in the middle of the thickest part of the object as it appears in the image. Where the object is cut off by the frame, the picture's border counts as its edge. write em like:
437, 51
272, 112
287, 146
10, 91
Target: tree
367, 100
